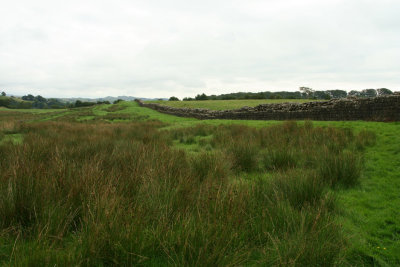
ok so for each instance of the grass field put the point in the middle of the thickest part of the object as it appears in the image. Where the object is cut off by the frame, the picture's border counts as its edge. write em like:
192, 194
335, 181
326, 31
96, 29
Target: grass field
226, 104
125, 185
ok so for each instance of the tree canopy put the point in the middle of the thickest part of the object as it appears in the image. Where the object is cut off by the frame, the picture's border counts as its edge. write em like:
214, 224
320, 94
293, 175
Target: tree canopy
303, 93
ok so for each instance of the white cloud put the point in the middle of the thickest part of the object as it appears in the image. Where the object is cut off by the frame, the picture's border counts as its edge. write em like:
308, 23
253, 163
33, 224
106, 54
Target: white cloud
163, 48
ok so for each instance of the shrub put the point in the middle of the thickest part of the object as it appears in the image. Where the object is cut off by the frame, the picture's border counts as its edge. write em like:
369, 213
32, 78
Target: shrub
173, 98
118, 101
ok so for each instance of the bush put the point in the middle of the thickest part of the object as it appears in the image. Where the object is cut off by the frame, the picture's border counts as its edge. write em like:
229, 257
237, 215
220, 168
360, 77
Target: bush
79, 104
117, 101
5, 102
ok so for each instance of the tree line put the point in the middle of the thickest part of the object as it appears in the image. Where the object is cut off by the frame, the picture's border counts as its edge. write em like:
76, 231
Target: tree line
39, 102
302, 93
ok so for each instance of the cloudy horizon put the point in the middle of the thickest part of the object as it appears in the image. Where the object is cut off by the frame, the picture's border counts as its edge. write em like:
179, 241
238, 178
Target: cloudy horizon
158, 49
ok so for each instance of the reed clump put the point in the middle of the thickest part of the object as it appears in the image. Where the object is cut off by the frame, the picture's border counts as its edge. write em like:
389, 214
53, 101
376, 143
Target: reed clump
123, 194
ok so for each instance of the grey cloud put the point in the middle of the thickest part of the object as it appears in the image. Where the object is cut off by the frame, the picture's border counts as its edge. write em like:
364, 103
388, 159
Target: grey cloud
159, 48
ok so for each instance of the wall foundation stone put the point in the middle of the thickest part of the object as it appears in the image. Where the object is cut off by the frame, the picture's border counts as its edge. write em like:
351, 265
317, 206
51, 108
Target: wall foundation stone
384, 108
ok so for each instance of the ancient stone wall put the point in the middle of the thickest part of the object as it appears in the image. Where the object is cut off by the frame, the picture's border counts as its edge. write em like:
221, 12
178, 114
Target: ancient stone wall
385, 108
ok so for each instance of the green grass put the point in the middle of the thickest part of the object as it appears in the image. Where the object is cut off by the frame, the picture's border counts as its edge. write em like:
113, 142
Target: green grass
370, 212
226, 104
2, 98
123, 194
371, 216
357, 203
13, 138
33, 111
9, 97
7, 100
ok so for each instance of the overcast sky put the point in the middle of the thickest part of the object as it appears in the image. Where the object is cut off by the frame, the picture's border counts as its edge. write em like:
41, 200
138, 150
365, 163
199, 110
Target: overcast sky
152, 48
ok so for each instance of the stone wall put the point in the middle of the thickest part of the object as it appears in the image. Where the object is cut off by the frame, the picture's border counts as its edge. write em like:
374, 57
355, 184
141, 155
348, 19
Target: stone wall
385, 108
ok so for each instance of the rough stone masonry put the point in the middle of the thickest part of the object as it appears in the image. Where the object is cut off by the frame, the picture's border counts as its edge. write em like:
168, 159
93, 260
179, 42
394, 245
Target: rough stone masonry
384, 108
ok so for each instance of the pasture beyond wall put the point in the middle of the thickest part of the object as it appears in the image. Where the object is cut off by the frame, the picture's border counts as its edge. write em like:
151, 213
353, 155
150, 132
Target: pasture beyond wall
385, 108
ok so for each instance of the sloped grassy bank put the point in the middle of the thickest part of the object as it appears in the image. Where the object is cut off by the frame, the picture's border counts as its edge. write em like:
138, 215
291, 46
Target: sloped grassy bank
139, 193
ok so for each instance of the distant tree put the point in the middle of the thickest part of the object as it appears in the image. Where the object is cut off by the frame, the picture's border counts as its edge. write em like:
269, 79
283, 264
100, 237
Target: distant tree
247, 96
201, 97
103, 102
40, 98
5, 102
24, 104
322, 95
275, 96
307, 92
383, 91
173, 98
368, 93
39, 104
354, 93
290, 95
117, 101
337, 93
3, 93
28, 97
55, 103
228, 97
79, 104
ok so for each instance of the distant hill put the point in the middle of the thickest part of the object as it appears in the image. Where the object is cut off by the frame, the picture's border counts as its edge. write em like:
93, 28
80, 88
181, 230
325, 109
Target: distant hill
108, 98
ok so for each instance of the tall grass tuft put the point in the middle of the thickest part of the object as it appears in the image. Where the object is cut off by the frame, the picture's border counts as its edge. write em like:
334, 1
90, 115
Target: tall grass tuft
300, 188
210, 165
343, 168
365, 138
280, 159
122, 194
244, 156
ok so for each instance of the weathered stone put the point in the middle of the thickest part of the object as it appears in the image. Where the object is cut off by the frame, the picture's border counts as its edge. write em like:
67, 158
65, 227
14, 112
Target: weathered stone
384, 108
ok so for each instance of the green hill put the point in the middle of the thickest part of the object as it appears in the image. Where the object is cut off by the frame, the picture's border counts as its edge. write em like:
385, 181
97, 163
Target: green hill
14, 102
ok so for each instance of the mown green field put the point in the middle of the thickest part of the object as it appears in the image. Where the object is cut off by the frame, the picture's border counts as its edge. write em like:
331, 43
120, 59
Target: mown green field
125, 185
226, 104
